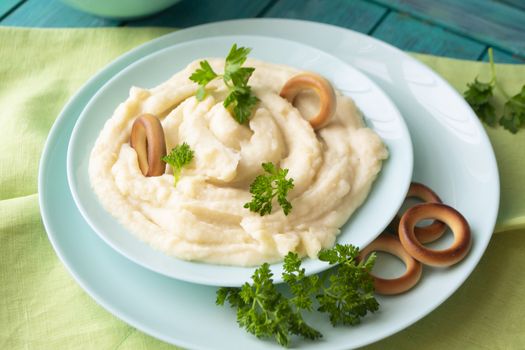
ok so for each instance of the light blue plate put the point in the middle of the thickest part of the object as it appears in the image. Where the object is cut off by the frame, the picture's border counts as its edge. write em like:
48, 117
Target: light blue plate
452, 155
388, 191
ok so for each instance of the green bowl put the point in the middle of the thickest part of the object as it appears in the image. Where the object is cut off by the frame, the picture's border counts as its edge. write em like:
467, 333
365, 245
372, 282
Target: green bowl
120, 9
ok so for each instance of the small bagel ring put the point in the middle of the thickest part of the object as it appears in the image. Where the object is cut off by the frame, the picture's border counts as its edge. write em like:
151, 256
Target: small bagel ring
391, 286
429, 233
147, 138
322, 88
450, 216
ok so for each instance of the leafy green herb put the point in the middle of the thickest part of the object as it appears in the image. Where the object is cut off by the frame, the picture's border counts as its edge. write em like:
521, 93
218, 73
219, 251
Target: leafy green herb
265, 312
179, 157
350, 292
514, 112
301, 286
203, 76
266, 186
240, 99
480, 97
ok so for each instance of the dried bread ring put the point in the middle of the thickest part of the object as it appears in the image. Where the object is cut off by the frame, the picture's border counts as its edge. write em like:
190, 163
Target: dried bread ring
322, 88
424, 234
147, 138
390, 244
451, 217
429, 233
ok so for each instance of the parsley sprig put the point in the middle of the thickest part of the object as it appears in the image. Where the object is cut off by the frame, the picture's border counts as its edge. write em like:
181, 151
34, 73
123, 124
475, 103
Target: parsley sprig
349, 295
179, 157
263, 311
266, 187
514, 112
480, 96
240, 99
345, 293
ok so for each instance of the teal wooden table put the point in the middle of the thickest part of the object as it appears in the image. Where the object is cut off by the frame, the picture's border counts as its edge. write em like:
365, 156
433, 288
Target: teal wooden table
454, 28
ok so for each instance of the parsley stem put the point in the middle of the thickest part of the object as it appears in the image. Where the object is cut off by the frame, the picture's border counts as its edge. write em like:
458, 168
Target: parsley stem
492, 67
325, 291
493, 80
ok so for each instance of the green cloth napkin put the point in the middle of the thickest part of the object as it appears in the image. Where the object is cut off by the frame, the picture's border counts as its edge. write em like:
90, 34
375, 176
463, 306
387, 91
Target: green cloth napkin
41, 307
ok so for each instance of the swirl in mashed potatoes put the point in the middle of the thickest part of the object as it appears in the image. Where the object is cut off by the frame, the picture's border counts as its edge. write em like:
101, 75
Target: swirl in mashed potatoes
203, 218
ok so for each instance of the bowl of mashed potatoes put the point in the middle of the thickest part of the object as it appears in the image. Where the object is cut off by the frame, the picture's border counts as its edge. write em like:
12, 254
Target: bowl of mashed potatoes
350, 173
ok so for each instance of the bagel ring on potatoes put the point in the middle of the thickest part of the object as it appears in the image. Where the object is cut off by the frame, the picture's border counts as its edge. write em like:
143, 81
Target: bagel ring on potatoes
147, 138
451, 217
322, 88
390, 286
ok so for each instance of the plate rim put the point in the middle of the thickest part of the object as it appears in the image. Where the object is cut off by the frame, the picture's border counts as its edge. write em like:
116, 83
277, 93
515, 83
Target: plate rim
158, 41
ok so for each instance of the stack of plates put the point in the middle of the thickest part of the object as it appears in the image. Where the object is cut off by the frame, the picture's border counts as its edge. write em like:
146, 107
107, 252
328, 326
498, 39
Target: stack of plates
403, 101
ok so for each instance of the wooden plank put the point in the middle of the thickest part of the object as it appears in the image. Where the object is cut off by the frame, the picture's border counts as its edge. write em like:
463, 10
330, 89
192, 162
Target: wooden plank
503, 57
520, 4
357, 14
191, 12
494, 23
7, 5
410, 34
52, 13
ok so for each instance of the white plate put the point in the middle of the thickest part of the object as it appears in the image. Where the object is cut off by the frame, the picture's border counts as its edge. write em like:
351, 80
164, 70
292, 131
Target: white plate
387, 193
452, 155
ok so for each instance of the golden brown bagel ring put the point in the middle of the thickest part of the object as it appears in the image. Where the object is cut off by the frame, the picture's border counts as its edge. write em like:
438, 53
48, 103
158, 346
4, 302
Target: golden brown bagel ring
390, 244
442, 212
322, 88
147, 138
430, 233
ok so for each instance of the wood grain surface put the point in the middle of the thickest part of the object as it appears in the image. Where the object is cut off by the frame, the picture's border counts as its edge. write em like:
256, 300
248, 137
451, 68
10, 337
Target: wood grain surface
6, 6
410, 34
461, 29
357, 15
490, 22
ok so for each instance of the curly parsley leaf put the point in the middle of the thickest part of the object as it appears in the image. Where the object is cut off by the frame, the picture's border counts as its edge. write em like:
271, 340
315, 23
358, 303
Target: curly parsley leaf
265, 312
240, 100
350, 291
266, 187
179, 157
301, 286
514, 112
339, 254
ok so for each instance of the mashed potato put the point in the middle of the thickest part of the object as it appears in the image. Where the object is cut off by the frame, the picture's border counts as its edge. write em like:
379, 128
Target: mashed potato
203, 217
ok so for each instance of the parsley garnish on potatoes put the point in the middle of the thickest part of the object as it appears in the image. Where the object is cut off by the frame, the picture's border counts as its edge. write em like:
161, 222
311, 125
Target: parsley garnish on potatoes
179, 157
345, 293
266, 186
240, 99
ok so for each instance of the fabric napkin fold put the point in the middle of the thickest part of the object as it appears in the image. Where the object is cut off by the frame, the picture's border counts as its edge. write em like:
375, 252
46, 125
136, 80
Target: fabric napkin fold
42, 307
